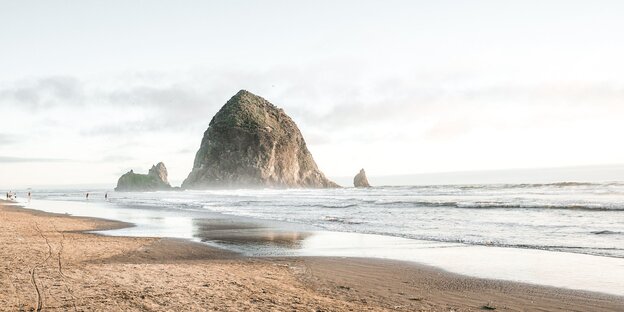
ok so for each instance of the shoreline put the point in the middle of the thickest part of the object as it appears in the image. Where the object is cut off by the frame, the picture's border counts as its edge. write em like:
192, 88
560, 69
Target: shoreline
323, 283
258, 237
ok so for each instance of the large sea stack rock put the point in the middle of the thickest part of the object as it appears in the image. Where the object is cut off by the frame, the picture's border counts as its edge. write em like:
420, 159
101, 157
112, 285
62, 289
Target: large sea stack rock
252, 143
360, 180
154, 180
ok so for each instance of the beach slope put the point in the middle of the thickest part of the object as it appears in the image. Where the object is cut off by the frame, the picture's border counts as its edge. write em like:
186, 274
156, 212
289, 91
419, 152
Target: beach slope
48, 263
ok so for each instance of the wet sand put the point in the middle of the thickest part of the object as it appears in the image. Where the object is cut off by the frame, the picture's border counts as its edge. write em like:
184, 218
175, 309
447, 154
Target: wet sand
48, 263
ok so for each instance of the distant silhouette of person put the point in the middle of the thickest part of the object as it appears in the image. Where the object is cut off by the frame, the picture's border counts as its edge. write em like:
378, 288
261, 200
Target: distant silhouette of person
106, 195
87, 195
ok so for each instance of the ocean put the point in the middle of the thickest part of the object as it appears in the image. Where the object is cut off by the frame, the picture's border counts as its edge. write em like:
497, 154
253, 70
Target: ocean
585, 218
558, 234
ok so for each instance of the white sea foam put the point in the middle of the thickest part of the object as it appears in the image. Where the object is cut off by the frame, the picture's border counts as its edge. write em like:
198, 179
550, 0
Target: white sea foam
572, 217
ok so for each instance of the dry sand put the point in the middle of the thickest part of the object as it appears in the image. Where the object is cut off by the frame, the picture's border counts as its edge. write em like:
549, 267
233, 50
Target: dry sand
47, 263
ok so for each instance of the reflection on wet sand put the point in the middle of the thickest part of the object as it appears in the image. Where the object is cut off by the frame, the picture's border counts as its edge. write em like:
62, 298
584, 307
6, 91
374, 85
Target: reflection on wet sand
244, 234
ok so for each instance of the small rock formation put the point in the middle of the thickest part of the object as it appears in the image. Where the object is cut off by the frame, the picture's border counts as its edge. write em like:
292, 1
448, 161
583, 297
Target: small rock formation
252, 143
154, 180
360, 180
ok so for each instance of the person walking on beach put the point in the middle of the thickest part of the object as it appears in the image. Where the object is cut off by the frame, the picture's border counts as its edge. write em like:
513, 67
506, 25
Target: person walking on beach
87, 195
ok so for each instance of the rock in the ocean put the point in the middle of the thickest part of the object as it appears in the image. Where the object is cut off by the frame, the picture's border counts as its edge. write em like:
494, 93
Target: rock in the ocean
252, 143
360, 180
154, 180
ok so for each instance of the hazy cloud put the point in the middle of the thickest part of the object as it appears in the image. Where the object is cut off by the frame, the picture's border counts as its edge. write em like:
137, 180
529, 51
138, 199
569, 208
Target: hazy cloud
9, 159
324, 99
185, 151
43, 93
448, 129
121, 129
116, 158
6, 139
171, 97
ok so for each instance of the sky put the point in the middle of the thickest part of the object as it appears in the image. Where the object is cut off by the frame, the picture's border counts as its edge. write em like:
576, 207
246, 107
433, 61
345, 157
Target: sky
92, 89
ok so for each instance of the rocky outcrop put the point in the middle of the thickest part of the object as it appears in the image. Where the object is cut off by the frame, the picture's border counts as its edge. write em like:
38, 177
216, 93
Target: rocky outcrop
160, 171
360, 179
252, 143
154, 180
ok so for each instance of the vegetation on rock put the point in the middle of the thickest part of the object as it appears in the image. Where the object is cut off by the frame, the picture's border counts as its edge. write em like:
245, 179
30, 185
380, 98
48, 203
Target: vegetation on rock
154, 180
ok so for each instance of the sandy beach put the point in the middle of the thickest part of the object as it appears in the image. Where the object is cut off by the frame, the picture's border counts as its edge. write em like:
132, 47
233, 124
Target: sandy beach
48, 263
